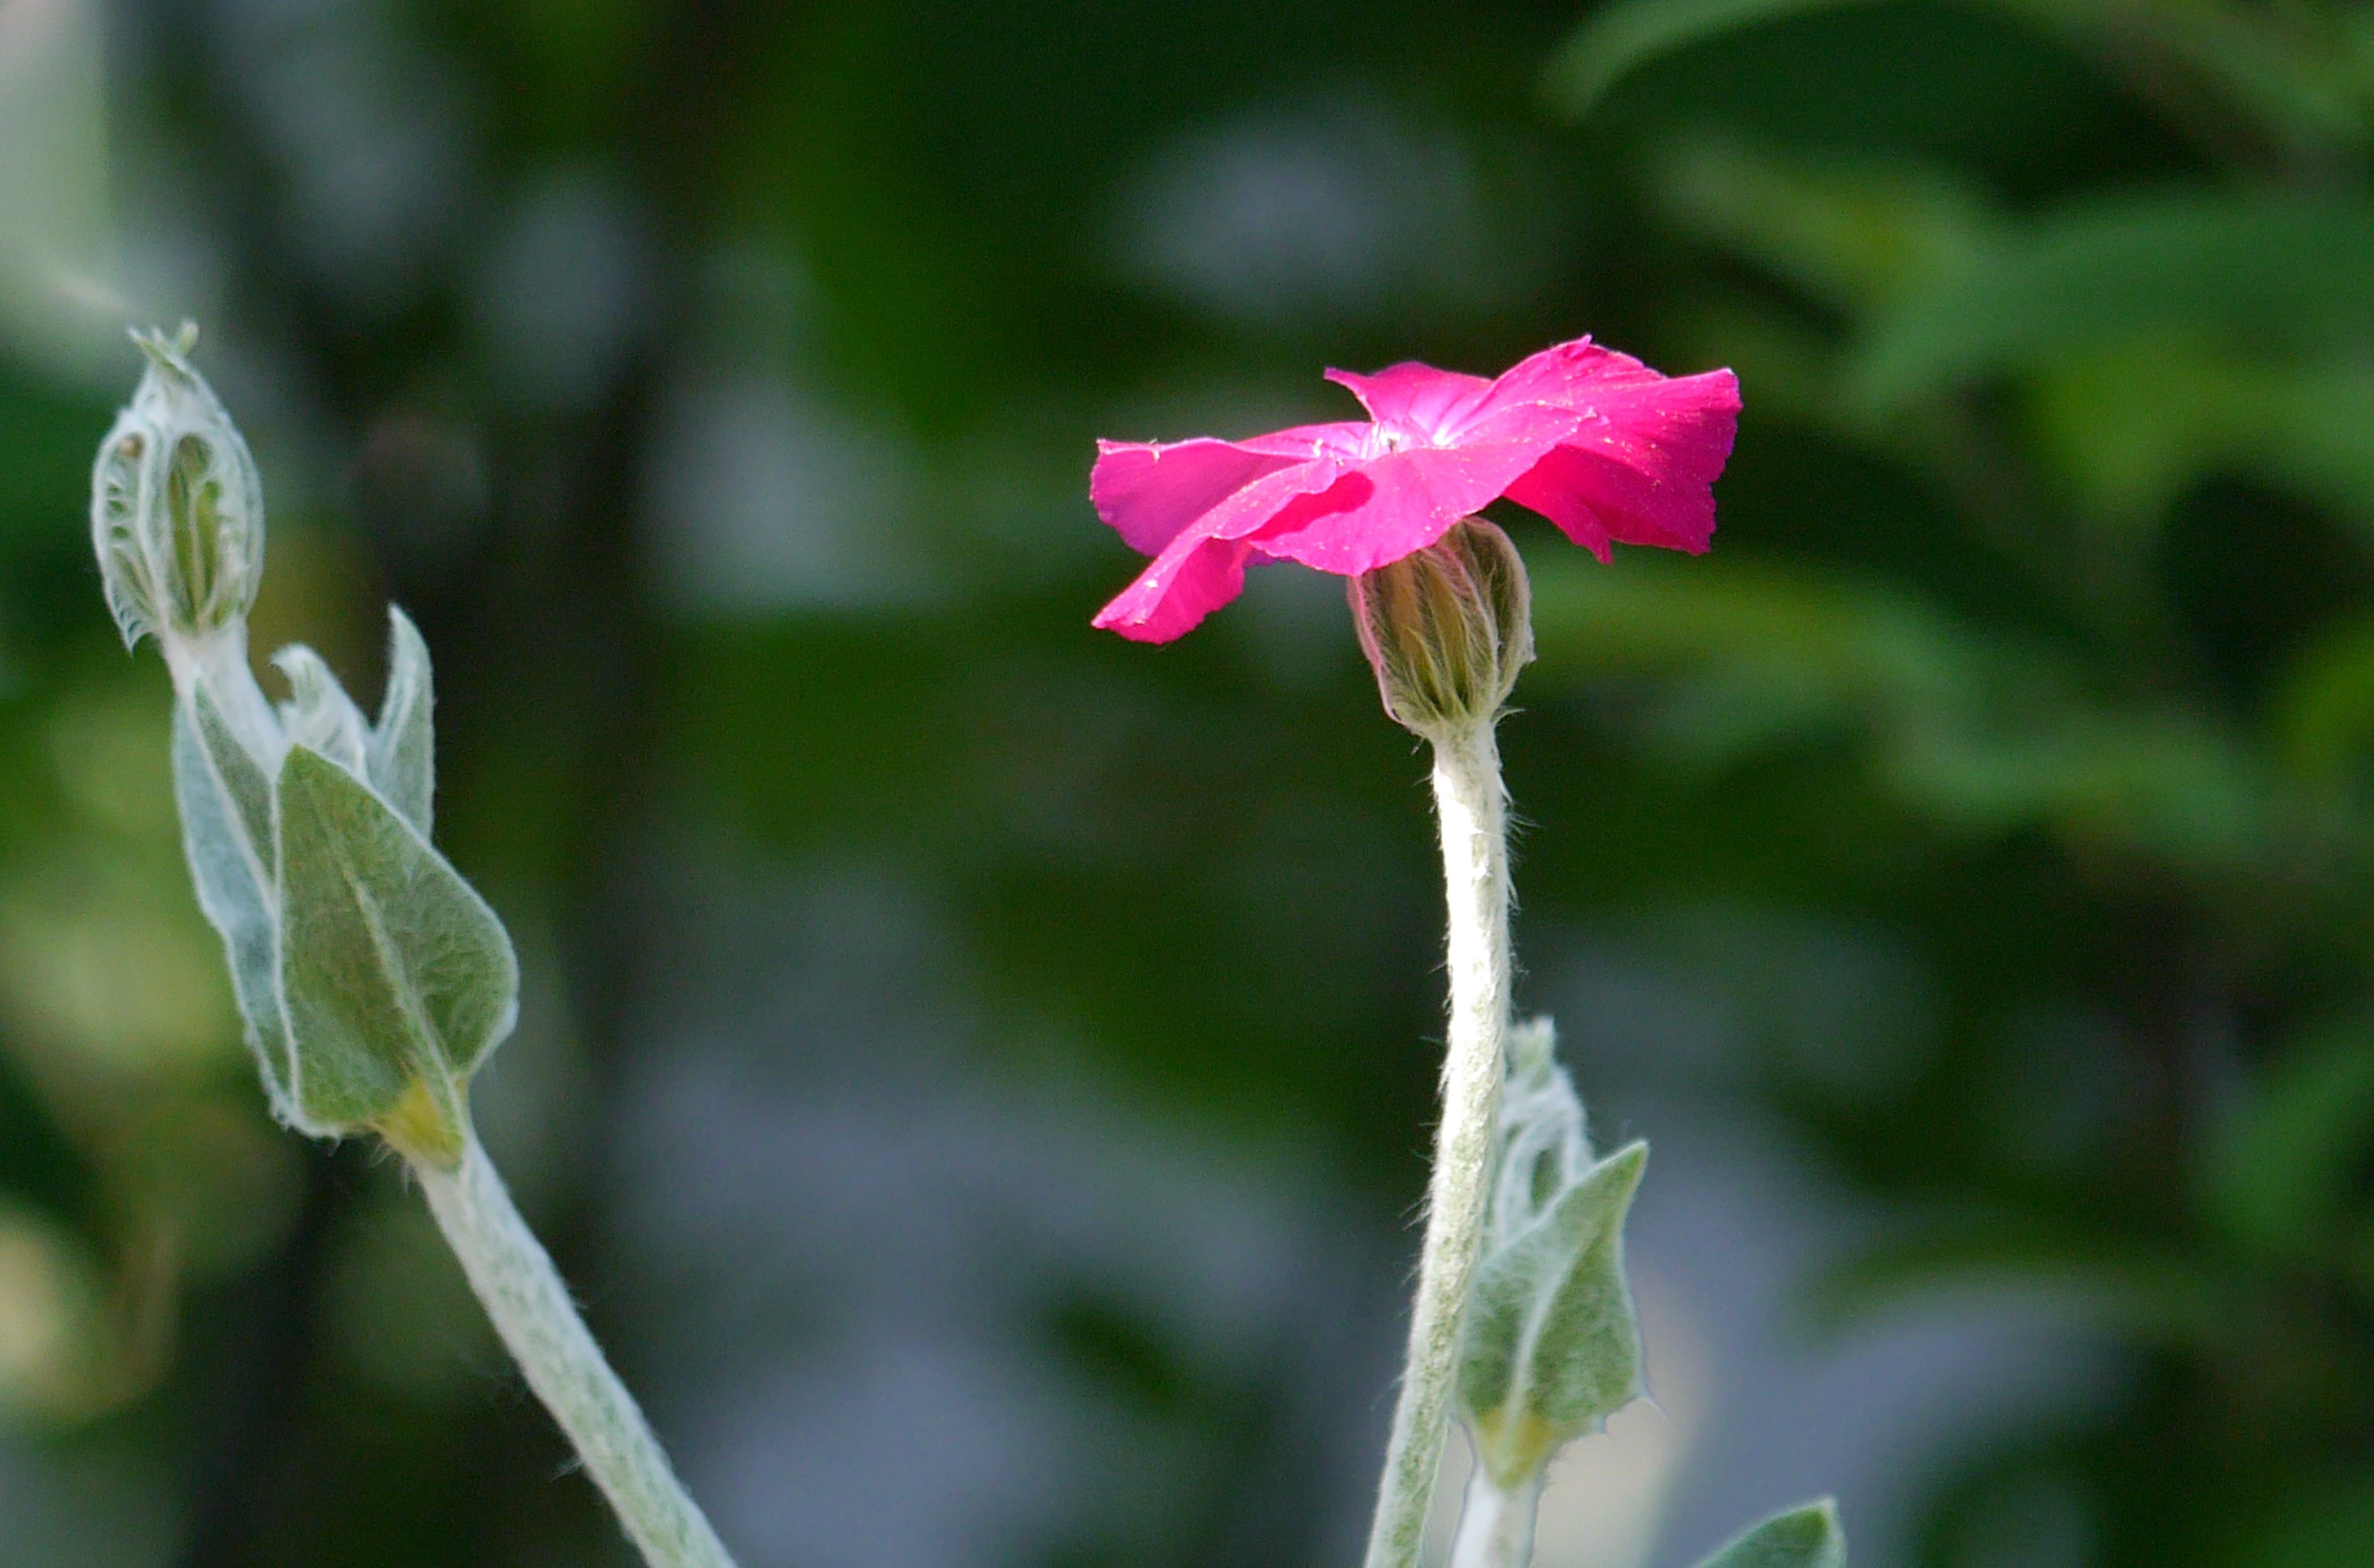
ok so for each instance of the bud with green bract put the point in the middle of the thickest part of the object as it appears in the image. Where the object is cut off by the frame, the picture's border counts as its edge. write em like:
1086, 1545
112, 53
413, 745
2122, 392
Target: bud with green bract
372, 979
1552, 1346
177, 507
1447, 628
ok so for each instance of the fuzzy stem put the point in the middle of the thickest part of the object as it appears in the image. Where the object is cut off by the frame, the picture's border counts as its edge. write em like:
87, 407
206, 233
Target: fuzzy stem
523, 1294
1471, 808
217, 661
1495, 1524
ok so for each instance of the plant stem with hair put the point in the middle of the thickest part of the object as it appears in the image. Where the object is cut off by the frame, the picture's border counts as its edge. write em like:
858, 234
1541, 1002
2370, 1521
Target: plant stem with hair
1495, 1524
1471, 807
531, 1307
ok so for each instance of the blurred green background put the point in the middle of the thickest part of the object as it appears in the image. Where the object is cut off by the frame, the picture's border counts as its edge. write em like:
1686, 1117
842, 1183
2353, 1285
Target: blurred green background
976, 1071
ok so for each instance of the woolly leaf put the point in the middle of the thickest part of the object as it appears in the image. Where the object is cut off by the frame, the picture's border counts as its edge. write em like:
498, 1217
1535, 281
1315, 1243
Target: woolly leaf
240, 779
319, 714
398, 978
401, 754
225, 807
1553, 1346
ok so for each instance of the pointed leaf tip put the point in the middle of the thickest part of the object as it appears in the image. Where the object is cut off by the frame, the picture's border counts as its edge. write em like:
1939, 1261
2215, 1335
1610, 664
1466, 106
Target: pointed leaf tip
1552, 1344
1807, 1536
1587, 1350
319, 714
402, 748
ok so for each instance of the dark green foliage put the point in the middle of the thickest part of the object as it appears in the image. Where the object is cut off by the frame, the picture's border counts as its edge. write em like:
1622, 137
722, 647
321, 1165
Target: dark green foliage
2147, 400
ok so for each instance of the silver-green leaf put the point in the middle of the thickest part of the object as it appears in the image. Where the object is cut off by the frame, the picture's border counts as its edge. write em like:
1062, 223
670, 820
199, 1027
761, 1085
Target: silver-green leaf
396, 976
1807, 1536
319, 714
1553, 1345
401, 756
225, 806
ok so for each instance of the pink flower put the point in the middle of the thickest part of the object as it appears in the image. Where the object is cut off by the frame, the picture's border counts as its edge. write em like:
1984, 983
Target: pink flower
1593, 440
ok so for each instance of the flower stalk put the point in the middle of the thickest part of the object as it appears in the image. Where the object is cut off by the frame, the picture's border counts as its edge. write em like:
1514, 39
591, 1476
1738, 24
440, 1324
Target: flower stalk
1471, 807
531, 1307
1523, 1323
1447, 630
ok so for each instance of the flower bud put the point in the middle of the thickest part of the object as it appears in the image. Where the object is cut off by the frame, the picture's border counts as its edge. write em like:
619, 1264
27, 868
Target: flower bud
176, 505
1447, 628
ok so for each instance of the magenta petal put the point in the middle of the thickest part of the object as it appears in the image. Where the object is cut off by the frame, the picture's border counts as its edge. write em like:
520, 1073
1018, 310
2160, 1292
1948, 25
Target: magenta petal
1539, 425
1185, 583
1392, 506
1680, 426
1415, 398
1569, 375
1596, 502
1641, 465
1203, 567
1149, 490
1344, 438
1603, 446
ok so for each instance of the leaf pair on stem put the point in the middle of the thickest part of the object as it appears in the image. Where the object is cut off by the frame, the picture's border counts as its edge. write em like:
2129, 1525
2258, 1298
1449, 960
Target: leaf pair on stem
372, 978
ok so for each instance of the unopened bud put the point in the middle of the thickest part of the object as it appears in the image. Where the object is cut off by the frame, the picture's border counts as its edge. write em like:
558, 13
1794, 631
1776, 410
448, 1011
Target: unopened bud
176, 505
1447, 628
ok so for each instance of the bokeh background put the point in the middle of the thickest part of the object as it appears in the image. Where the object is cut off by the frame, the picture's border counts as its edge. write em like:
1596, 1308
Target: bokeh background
977, 1071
